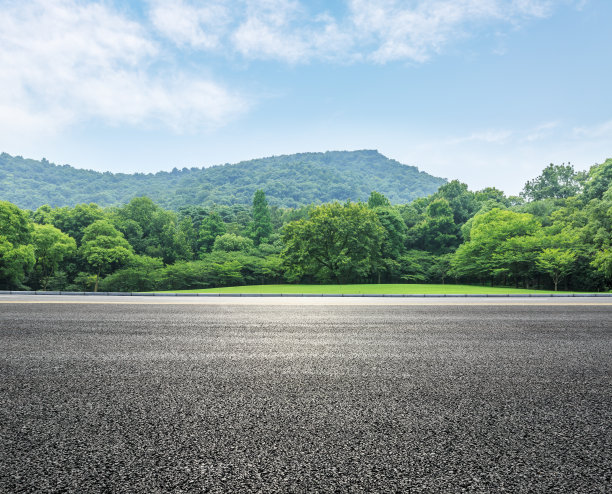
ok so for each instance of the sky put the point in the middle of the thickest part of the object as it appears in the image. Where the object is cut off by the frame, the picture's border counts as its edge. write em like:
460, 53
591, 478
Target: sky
485, 91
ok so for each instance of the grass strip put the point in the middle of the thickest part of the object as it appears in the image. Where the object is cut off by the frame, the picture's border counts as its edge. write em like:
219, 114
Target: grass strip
400, 288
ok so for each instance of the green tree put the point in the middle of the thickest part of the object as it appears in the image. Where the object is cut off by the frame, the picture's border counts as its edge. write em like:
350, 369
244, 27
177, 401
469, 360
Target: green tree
262, 226
141, 275
393, 241
51, 246
104, 248
598, 180
415, 266
152, 231
229, 242
555, 182
501, 243
437, 232
211, 227
377, 200
73, 221
603, 263
16, 252
462, 202
339, 242
557, 263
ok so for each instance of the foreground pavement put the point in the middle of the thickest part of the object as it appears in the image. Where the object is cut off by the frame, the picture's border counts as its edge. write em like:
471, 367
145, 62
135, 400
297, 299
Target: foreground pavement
281, 395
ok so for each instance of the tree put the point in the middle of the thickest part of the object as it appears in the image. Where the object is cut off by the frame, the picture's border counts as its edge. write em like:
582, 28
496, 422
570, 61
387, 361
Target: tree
555, 182
141, 275
437, 232
415, 265
557, 263
16, 252
501, 243
262, 226
51, 246
377, 200
104, 248
598, 180
229, 242
603, 263
73, 221
210, 229
462, 202
393, 242
152, 231
15, 226
339, 242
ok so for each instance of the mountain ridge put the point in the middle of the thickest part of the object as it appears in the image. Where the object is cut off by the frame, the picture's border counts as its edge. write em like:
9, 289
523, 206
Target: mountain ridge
288, 180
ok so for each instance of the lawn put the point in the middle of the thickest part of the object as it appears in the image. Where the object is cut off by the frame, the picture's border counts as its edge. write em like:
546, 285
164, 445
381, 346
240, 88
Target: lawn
367, 289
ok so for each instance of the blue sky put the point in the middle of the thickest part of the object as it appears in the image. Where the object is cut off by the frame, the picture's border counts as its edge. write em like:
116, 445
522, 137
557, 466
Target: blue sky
486, 91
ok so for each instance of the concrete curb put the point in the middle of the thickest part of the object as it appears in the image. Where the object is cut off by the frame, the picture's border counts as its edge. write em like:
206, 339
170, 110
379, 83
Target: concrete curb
406, 295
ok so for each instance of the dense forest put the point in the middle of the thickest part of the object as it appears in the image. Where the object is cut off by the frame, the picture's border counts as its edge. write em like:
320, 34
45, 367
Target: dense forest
556, 235
289, 181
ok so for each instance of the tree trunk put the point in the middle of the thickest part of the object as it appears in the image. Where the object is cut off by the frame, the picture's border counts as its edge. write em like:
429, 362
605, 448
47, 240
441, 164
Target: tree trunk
97, 278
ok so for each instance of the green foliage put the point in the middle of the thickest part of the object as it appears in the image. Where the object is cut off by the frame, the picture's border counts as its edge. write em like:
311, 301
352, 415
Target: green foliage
502, 244
598, 181
555, 182
16, 261
393, 241
482, 237
143, 274
230, 242
437, 232
152, 231
211, 227
72, 221
555, 262
338, 242
51, 246
603, 263
378, 200
462, 202
16, 252
289, 181
104, 248
261, 228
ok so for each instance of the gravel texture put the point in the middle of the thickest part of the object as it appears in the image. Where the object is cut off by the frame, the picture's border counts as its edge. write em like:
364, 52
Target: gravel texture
230, 398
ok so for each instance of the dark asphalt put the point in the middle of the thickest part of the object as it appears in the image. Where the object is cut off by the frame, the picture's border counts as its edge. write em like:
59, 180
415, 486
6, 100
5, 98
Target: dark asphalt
263, 398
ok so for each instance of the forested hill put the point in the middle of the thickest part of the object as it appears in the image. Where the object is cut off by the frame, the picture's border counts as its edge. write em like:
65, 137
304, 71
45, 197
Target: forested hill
288, 181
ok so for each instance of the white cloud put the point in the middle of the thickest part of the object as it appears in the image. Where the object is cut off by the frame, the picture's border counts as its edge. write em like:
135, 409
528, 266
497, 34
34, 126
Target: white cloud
398, 32
285, 30
68, 61
65, 61
200, 26
380, 31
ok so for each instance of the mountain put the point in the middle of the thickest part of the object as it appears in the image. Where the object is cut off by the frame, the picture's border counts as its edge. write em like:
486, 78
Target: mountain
289, 181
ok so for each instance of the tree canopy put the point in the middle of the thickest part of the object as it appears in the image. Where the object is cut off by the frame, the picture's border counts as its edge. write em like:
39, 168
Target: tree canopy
452, 235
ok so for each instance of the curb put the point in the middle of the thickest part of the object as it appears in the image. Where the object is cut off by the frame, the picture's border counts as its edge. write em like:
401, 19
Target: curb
210, 294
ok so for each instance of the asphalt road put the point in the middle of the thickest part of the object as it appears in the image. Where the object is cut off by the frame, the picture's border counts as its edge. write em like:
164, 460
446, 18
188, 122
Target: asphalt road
248, 397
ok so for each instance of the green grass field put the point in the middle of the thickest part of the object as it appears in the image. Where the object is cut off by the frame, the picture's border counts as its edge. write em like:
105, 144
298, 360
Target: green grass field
366, 289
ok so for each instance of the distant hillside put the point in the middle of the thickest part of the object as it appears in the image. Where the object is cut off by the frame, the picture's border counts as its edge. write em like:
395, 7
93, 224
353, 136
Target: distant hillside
289, 181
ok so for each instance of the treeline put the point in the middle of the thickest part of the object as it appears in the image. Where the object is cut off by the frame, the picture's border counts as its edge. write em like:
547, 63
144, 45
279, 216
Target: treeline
555, 235
289, 181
